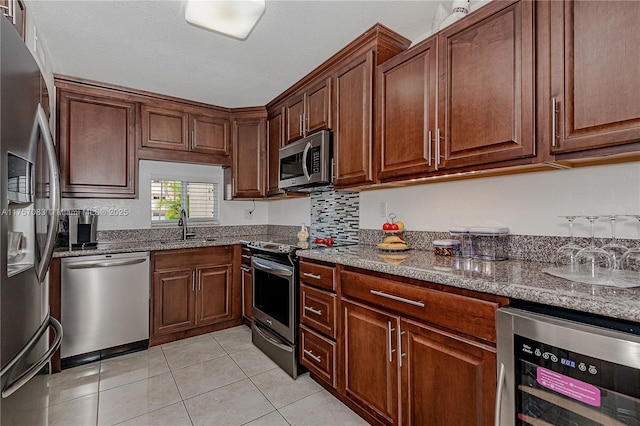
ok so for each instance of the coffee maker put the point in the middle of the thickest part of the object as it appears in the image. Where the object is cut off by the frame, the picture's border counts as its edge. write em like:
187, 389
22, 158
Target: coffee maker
78, 229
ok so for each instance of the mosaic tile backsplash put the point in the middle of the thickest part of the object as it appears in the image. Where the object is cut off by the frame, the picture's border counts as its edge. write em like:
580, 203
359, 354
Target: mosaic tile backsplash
335, 214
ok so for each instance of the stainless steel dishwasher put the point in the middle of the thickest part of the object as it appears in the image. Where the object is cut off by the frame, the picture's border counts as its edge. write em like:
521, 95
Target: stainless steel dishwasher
105, 306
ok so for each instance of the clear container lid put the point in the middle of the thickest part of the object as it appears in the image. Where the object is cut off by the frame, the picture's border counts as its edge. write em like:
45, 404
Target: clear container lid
489, 230
459, 230
446, 243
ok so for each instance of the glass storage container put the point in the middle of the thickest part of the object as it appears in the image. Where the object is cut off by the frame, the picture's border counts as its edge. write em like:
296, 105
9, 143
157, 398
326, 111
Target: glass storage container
446, 247
461, 234
489, 243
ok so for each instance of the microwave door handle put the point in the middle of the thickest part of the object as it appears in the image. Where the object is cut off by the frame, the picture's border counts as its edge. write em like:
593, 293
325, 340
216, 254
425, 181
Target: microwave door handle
54, 193
305, 170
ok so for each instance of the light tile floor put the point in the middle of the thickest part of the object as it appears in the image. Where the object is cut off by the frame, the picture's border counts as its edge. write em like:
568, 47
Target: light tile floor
214, 379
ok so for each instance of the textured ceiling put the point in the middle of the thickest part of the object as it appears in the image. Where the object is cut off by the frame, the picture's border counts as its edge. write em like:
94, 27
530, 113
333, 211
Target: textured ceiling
148, 45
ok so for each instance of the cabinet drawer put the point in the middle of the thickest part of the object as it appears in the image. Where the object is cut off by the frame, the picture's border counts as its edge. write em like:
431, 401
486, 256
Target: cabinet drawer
171, 259
468, 315
317, 275
318, 354
318, 310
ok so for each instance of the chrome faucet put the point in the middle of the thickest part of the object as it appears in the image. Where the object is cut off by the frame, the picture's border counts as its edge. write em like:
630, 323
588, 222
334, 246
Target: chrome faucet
183, 223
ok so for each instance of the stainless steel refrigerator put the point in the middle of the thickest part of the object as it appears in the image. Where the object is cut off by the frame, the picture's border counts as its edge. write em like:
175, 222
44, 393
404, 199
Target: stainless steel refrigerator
29, 208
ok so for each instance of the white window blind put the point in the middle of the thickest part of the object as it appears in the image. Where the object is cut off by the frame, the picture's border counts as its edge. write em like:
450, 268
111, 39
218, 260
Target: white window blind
198, 199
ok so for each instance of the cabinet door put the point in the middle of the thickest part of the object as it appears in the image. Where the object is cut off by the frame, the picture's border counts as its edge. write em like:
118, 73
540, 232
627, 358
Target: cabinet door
353, 137
446, 380
486, 89
97, 145
408, 113
214, 288
295, 118
209, 135
248, 147
247, 292
371, 370
164, 128
318, 107
173, 301
275, 141
595, 70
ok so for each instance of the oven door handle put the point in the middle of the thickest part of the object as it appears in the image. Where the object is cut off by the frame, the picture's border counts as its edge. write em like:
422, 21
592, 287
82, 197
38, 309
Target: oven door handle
271, 268
271, 339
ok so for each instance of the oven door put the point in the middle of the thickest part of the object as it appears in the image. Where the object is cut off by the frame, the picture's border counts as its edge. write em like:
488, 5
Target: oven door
274, 300
561, 372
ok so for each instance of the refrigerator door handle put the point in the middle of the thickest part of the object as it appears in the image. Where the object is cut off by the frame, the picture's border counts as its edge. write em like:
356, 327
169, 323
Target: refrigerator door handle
54, 190
26, 375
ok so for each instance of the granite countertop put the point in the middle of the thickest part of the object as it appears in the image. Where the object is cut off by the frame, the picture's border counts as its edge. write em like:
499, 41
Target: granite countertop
523, 280
111, 247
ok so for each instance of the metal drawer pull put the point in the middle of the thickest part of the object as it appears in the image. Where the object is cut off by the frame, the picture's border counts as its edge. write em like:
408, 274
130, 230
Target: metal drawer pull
554, 122
397, 298
429, 147
316, 358
246, 256
400, 333
314, 276
314, 311
391, 350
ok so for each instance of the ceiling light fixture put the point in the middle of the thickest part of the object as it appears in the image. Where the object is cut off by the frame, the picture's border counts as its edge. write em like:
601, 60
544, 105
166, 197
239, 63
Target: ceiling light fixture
235, 18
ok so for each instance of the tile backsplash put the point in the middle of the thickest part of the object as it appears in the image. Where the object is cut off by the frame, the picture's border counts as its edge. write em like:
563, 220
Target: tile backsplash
335, 214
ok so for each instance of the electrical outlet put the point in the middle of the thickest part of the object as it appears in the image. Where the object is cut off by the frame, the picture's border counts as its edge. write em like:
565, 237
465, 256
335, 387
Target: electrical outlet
382, 209
248, 213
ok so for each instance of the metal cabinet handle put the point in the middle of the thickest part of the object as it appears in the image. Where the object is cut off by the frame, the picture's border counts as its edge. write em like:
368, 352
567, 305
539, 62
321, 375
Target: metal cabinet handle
314, 311
314, 276
246, 256
199, 280
193, 139
400, 333
499, 395
389, 341
429, 148
193, 280
309, 353
28, 374
301, 127
397, 298
305, 123
245, 268
554, 121
437, 142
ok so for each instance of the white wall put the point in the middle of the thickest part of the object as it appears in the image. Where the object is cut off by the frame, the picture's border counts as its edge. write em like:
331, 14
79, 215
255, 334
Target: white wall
529, 204
290, 212
231, 212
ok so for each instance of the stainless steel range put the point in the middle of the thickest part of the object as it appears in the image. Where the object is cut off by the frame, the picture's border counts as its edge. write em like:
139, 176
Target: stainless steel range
275, 321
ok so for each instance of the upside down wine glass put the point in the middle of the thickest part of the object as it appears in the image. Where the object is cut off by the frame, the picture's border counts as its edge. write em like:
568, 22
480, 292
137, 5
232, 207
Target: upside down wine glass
594, 264
566, 254
614, 248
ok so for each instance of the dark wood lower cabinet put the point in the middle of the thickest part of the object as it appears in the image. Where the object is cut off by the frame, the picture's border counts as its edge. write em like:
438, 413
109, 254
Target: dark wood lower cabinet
194, 291
446, 379
371, 370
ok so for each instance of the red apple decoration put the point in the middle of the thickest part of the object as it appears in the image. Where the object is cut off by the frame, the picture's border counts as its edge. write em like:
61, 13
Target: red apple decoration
320, 241
328, 242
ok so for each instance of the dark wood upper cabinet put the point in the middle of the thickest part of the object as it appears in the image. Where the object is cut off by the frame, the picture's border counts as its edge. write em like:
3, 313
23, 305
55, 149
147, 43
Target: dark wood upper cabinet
209, 134
353, 132
309, 111
407, 113
173, 127
275, 141
249, 169
97, 144
15, 12
486, 86
594, 74
165, 128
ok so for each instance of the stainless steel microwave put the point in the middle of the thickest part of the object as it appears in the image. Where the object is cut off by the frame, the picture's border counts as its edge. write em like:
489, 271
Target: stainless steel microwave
306, 163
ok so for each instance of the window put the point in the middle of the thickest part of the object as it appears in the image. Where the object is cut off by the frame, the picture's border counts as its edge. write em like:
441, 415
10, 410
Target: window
198, 199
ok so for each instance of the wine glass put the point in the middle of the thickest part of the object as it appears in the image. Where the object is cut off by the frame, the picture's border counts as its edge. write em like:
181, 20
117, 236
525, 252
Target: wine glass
615, 249
594, 265
630, 261
566, 254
